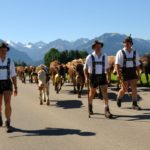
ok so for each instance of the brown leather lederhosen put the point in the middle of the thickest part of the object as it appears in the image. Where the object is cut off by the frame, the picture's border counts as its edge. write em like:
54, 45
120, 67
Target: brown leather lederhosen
129, 73
6, 85
97, 79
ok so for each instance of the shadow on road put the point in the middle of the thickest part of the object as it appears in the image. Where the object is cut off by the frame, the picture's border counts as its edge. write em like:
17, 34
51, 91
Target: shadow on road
112, 96
141, 117
69, 104
140, 88
126, 98
52, 132
146, 109
84, 92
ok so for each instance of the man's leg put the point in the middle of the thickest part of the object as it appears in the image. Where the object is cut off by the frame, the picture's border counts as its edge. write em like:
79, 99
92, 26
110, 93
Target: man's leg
7, 100
90, 100
124, 88
133, 84
105, 98
1, 121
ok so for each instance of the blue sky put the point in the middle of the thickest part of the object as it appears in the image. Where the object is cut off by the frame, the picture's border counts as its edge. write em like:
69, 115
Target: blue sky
48, 20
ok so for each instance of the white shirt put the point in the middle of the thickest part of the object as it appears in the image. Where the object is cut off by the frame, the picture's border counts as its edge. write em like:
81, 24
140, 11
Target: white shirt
3, 72
120, 58
98, 67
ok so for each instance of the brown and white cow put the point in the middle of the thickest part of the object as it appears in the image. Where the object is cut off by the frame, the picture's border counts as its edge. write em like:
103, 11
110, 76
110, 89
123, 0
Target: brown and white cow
43, 85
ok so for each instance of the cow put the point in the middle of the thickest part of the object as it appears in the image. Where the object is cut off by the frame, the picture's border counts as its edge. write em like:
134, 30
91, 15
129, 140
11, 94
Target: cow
72, 72
59, 78
54, 69
43, 85
21, 73
80, 79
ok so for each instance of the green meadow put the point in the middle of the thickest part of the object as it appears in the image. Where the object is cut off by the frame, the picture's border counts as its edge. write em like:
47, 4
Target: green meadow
143, 77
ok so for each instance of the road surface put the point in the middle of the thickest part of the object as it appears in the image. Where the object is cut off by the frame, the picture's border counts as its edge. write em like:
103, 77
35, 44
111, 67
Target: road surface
64, 125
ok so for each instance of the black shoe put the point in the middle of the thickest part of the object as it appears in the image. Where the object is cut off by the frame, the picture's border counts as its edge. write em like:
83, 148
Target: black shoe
136, 106
1, 121
119, 102
8, 127
90, 109
107, 113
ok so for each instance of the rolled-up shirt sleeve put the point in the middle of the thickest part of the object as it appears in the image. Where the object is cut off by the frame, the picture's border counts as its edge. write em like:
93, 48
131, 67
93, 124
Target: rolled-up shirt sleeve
107, 66
86, 65
12, 69
118, 59
137, 59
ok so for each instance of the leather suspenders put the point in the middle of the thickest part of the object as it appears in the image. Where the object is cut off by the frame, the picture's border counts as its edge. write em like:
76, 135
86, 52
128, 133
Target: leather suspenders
94, 63
125, 59
7, 67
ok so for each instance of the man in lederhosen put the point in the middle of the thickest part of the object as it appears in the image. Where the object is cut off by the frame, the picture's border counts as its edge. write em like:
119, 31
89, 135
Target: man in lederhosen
127, 68
7, 80
95, 69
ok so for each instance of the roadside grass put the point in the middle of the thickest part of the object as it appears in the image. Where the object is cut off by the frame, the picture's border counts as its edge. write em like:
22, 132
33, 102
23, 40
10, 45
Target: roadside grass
143, 78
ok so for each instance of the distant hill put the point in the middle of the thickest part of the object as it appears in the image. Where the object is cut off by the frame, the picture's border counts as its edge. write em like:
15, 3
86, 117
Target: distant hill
33, 50
37, 50
17, 55
113, 42
65, 45
33, 53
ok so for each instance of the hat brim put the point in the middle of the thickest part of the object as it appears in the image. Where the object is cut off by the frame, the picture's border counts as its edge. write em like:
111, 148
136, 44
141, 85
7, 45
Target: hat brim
127, 41
5, 47
100, 43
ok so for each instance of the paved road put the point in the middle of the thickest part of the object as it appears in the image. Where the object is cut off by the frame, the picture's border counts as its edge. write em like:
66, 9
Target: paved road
65, 124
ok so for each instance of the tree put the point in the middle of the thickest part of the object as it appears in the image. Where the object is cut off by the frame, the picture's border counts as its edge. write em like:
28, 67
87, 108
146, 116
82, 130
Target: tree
63, 56
71, 55
51, 55
83, 53
20, 63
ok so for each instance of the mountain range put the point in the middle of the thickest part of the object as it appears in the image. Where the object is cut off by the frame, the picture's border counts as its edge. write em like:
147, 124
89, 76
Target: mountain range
33, 53
17, 55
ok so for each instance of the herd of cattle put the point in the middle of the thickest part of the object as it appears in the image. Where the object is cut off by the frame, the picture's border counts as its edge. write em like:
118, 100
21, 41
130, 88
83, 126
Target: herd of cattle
70, 72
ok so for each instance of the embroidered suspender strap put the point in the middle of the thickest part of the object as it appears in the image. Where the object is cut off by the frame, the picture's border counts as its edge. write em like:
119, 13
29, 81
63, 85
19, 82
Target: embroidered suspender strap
103, 64
124, 59
3, 67
134, 59
8, 68
98, 63
93, 65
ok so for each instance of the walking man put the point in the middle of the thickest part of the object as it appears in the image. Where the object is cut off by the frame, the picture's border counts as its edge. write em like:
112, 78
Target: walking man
95, 69
7, 80
127, 68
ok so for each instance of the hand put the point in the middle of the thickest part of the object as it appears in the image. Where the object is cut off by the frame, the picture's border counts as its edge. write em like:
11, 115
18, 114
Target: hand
119, 76
15, 92
86, 80
138, 77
